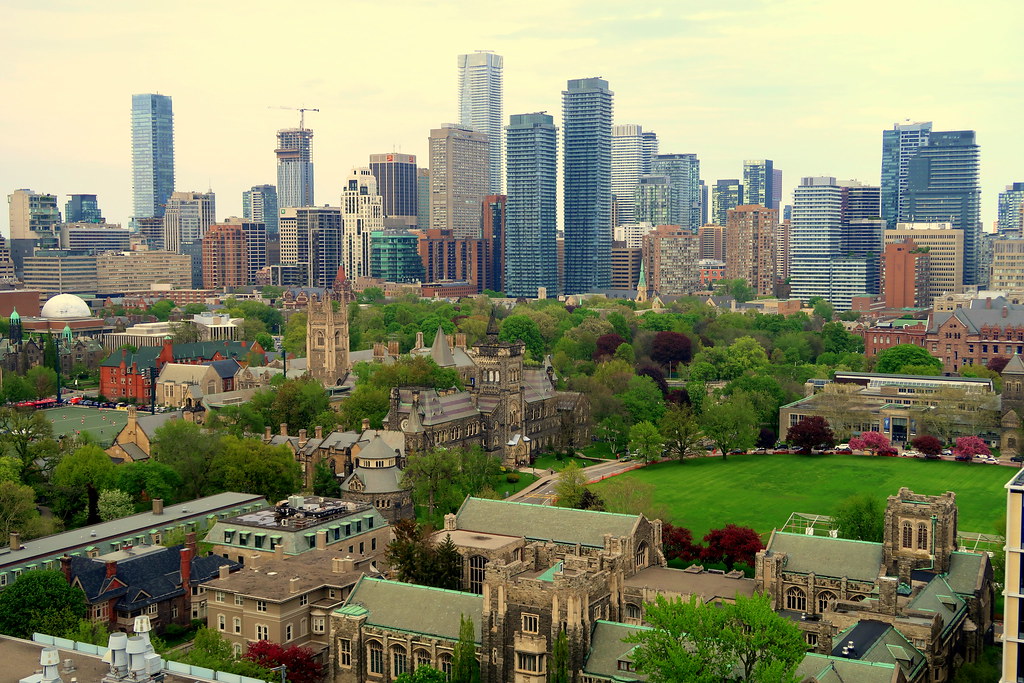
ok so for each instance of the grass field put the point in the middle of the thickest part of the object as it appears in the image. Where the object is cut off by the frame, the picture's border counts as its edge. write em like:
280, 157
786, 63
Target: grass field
549, 461
761, 491
103, 424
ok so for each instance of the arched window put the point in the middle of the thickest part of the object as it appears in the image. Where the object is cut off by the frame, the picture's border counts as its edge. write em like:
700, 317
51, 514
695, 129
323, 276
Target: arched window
922, 536
796, 599
824, 598
477, 563
633, 612
858, 598
908, 535
375, 657
399, 661
641, 555
445, 662
421, 658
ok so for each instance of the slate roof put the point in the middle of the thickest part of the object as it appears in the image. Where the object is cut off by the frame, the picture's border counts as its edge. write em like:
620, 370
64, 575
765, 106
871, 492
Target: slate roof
182, 372
825, 556
440, 351
377, 449
963, 572
1015, 366
828, 669
437, 409
879, 643
144, 357
408, 607
536, 385
376, 479
543, 522
149, 422
607, 649
226, 368
977, 314
938, 597
134, 451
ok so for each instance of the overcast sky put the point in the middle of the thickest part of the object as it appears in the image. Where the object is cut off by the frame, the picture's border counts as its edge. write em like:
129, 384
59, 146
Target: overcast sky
810, 84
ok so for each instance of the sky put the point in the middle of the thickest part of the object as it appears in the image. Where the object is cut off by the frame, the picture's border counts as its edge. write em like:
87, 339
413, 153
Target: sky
807, 83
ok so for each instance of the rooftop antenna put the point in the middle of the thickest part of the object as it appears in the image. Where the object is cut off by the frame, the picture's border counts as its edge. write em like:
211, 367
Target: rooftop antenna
302, 114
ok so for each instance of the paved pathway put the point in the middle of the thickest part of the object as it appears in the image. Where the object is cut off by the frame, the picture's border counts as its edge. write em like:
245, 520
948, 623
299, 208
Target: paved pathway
542, 491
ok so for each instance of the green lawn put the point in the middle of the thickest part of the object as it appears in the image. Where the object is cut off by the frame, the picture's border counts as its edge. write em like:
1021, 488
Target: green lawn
761, 491
103, 424
549, 461
599, 449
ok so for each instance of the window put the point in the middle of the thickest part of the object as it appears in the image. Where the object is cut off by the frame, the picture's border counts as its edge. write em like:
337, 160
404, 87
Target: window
319, 624
373, 543
399, 660
262, 632
220, 622
824, 598
261, 605
908, 535
288, 633
344, 650
445, 662
153, 609
922, 536
531, 623
641, 555
218, 596
477, 565
237, 649
626, 665
376, 657
796, 599
421, 658
239, 600
330, 592
812, 639
237, 624
529, 662
304, 599
633, 612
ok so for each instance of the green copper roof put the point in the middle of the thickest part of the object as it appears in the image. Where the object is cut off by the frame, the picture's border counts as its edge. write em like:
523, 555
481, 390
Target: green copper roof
549, 575
352, 610
14, 314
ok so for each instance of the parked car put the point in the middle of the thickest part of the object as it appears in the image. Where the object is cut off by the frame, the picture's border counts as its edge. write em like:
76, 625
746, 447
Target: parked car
932, 456
844, 451
991, 461
911, 454
963, 458
946, 451
1017, 458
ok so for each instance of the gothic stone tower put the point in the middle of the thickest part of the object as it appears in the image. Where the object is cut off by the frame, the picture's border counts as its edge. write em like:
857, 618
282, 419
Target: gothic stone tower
499, 389
920, 532
326, 339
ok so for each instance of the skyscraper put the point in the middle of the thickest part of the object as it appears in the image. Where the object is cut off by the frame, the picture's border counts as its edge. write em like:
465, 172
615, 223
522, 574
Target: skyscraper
943, 186
361, 214
725, 195
1011, 211
495, 211
531, 261
684, 172
480, 107
587, 196
294, 167
423, 198
899, 145
224, 257
632, 149
653, 199
458, 179
394, 256
311, 239
776, 188
34, 218
254, 233
751, 232
396, 183
187, 218
152, 154
759, 182
82, 208
259, 204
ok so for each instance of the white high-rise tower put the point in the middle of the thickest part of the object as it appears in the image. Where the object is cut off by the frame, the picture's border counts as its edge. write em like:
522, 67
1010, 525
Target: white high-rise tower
362, 212
480, 107
632, 149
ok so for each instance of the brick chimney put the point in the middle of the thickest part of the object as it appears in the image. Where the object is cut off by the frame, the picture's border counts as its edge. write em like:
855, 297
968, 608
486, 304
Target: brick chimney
158, 506
284, 429
393, 349
293, 584
15, 541
65, 567
419, 340
111, 568
302, 438
224, 571
266, 434
321, 539
366, 423
190, 542
318, 431
186, 568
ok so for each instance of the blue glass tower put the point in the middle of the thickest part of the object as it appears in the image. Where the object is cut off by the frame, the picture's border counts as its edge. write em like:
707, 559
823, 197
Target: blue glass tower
899, 145
152, 154
1011, 208
587, 201
684, 172
531, 256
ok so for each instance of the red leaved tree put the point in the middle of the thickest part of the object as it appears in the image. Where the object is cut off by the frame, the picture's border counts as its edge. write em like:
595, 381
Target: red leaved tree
870, 441
927, 444
731, 545
671, 348
606, 344
997, 363
678, 543
300, 662
970, 446
811, 432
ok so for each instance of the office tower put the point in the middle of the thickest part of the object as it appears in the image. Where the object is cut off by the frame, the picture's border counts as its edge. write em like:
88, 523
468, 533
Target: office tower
632, 150
905, 268
725, 195
653, 200
1007, 265
683, 170
945, 245
6, 264
194, 250
82, 208
943, 186
1011, 211
776, 188
94, 237
705, 204
751, 235
713, 242
423, 198
631, 234
294, 167
451, 260
862, 225
531, 260
626, 262
480, 108
587, 183
396, 183
34, 218
152, 230
59, 271
152, 154
255, 234
458, 179
361, 214
311, 239
816, 240
899, 145
782, 253
119, 272
225, 257
259, 204
394, 256
759, 182
670, 257
187, 218
493, 229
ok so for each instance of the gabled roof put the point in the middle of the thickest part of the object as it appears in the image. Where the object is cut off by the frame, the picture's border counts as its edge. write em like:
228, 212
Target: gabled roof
226, 368
440, 351
964, 572
607, 650
438, 409
183, 373
826, 556
408, 607
1014, 367
543, 522
879, 643
828, 669
144, 357
149, 422
939, 598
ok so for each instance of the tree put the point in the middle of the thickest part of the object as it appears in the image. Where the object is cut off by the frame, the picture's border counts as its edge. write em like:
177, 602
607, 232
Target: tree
895, 359
294, 338
670, 349
43, 381
656, 375
525, 329
21, 433
927, 444
571, 483
465, 667
18, 512
88, 631
446, 566
646, 441
300, 663
114, 504
40, 601
186, 332
678, 543
251, 466
77, 480
870, 441
766, 645
17, 388
560, 659
738, 289
613, 430
184, 447
210, 650
325, 481
732, 544
643, 400
861, 518
811, 432
730, 424
970, 446
431, 476
824, 310
299, 403
631, 497
607, 344
681, 432
146, 480
835, 339
423, 674
626, 353
841, 407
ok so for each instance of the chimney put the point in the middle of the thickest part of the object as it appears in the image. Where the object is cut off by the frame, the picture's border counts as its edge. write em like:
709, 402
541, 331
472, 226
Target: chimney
318, 431
279, 551
340, 565
460, 340
65, 567
266, 433
419, 340
1006, 311
302, 438
366, 423
111, 568
284, 429
190, 542
186, 568
393, 347
293, 584
158, 506
988, 302
321, 539
224, 571
15, 541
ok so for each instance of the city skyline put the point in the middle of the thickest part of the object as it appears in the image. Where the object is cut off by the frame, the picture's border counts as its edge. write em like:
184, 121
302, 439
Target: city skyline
708, 110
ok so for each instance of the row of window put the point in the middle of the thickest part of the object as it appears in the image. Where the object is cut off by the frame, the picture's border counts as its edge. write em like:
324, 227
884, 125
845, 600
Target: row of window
399, 658
796, 599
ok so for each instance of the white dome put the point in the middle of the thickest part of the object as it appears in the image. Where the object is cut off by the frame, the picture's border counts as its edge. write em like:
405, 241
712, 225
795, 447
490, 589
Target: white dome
66, 306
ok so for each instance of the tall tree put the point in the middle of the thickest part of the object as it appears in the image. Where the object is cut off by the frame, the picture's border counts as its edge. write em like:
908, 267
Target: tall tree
423, 674
560, 659
766, 645
114, 504
895, 358
186, 449
732, 544
18, 512
77, 480
643, 400
251, 466
465, 667
860, 518
571, 484
525, 329
730, 424
432, 477
21, 433
646, 441
670, 349
325, 481
681, 432
40, 601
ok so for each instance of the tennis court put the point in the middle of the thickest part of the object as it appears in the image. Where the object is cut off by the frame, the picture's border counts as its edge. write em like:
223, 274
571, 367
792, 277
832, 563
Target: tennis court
104, 424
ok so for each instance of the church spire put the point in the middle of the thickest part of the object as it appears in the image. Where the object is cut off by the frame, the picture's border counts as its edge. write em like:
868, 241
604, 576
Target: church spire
492, 326
641, 284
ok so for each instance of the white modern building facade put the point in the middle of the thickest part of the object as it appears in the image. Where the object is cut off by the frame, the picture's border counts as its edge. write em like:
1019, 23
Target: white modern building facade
632, 149
361, 213
481, 107
294, 167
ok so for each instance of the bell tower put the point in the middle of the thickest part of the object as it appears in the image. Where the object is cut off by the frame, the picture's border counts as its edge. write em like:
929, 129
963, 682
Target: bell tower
327, 338
499, 378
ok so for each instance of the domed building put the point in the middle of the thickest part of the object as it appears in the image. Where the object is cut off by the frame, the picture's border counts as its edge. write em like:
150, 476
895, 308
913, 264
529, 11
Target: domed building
65, 307
376, 478
64, 318
64, 311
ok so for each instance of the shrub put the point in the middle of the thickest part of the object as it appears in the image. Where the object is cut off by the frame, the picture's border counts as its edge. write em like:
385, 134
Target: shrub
512, 478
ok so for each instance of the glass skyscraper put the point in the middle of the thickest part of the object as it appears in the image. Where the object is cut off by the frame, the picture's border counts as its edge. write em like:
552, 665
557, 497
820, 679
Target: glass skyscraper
632, 149
683, 171
899, 145
531, 258
1011, 211
587, 196
759, 182
725, 195
294, 167
152, 154
260, 204
396, 183
82, 208
480, 106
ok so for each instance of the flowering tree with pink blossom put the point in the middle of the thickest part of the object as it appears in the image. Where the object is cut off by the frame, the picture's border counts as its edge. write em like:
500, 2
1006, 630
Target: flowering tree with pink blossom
970, 446
870, 441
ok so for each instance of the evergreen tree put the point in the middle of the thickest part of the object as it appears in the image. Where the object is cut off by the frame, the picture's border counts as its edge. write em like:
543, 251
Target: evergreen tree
560, 659
447, 566
465, 668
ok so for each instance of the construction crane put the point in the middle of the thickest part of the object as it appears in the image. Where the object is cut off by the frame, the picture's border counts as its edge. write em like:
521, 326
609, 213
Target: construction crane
302, 114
